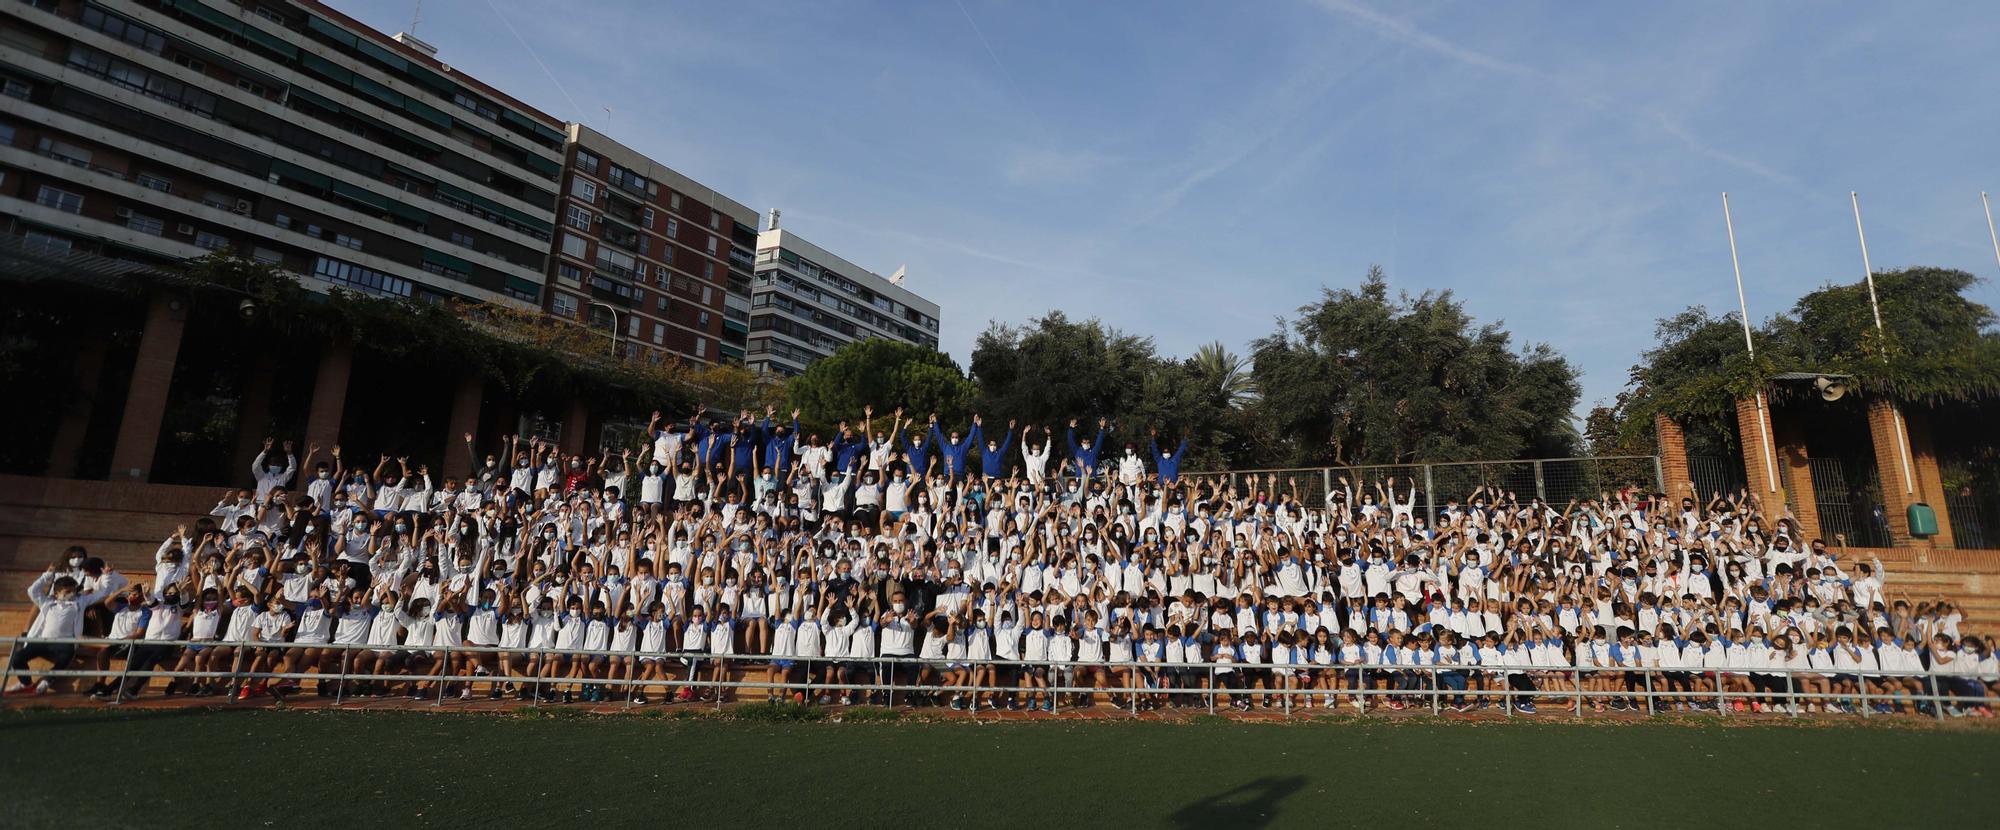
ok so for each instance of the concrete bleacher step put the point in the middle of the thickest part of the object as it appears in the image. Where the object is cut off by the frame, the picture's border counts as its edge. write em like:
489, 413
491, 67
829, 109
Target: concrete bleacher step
79, 523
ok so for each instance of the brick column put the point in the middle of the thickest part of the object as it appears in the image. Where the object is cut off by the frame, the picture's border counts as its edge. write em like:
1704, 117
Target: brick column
1795, 472
574, 426
1753, 435
1896, 467
330, 393
1930, 483
464, 418
146, 398
77, 406
1671, 442
253, 421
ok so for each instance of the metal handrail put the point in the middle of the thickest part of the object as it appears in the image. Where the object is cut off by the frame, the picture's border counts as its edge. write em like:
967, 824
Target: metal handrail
1432, 688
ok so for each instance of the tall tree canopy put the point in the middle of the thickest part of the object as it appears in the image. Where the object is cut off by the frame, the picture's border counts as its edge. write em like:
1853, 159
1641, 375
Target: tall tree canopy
1361, 378
1937, 347
882, 373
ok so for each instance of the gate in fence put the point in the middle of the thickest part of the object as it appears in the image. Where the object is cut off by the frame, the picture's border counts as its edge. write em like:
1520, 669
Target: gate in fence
1847, 493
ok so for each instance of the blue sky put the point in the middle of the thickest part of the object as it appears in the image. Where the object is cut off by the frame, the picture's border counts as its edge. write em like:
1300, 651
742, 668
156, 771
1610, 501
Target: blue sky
1193, 171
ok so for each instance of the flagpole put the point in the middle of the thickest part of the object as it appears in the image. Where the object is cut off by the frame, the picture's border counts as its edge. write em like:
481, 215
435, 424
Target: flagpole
1743, 309
1989, 225
1895, 412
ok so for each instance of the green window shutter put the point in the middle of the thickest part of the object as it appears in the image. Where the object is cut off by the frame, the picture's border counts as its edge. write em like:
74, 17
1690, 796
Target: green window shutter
362, 195
320, 25
288, 170
378, 92
544, 166
270, 42
408, 173
316, 99
326, 68
370, 50
463, 266
427, 113
525, 286
410, 212
430, 80
200, 10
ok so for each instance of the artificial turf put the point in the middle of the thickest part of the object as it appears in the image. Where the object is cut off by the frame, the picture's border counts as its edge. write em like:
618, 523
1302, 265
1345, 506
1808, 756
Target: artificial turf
249, 768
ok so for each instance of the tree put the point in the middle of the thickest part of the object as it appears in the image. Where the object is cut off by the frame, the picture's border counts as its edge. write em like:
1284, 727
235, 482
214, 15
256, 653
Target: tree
1052, 369
1361, 378
1937, 347
1219, 369
884, 374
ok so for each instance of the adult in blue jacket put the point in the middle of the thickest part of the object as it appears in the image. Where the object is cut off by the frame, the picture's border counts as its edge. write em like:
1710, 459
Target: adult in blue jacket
1169, 464
847, 447
954, 449
993, 456
1086, 452
779, 444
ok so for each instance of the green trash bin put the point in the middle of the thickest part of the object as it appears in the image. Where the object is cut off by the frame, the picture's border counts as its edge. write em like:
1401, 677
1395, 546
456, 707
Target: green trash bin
1923, 520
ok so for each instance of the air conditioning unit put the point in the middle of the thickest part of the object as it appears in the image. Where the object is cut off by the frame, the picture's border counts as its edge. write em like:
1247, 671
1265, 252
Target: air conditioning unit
122, 213
242, 207
184, 229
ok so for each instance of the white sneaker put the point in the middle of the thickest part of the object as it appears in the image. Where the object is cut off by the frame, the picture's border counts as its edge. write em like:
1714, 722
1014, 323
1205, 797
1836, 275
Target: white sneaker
42, 688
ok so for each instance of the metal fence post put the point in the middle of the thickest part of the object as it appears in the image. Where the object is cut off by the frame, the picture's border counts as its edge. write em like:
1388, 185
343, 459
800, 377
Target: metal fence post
1660, 476
340, 689
1211, 689
124, 675
443, 671
1861, 680
1325, 483
1541, 489
1579, 690
1649, 693
7, 668
1430, 499
1721, 695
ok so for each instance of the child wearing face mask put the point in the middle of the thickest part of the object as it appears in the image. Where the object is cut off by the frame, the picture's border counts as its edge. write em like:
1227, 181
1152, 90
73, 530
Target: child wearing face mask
59, 609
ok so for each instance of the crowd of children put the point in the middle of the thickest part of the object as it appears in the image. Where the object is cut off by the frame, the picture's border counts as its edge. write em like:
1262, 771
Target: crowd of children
975, 569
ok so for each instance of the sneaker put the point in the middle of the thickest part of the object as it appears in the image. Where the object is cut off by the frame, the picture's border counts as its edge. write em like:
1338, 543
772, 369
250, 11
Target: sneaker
43, 688
465, 693
18, 689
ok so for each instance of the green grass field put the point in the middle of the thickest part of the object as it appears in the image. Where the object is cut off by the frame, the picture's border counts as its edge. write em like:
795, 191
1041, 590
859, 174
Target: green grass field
249, 768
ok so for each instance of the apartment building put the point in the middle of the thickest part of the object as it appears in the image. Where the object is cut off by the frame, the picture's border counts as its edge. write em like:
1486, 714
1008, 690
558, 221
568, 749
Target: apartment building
807, 302
158, 130
651, 254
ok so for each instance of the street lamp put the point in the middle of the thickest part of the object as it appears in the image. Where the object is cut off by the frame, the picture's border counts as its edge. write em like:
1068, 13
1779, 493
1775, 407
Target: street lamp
614, 325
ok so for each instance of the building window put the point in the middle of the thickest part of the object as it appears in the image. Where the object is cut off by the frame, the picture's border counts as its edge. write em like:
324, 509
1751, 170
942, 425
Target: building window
707, 295
564, 305
210, 241
14, 89
267, 256
365, 280
647, 215
153, 182
461, 238
46, 243
663, 303
569, 272
62, 200
586, 161
704, 321
708, 270
711, 246
576, 246
701, 347
122, 29
632, 325
576, 217
145, 224
345, 241
659, 334
714, 222
674, 201
584, 189
673, 227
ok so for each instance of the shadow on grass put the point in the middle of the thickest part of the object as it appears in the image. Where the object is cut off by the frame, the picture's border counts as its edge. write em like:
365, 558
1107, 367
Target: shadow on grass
1250, 805
33, 718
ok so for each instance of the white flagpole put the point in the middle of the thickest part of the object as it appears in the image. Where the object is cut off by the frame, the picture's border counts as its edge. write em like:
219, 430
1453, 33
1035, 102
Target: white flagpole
1743, 309
1902, 437
1989, 225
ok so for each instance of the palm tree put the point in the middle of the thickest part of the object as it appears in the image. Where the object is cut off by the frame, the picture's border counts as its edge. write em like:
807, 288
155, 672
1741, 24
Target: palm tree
1224, 372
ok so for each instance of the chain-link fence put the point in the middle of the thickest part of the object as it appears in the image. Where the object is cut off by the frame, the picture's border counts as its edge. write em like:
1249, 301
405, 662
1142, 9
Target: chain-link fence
1557, 481
1972, 497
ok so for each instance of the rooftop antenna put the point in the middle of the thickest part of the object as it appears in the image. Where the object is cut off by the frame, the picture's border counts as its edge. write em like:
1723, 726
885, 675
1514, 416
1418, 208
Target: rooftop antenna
416, 16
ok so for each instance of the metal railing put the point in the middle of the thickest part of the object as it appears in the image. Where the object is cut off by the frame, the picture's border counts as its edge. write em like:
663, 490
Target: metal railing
1553, 480
1189, 686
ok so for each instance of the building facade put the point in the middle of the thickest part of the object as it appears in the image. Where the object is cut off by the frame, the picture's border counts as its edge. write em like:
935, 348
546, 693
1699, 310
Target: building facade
158, 130
806, 302
650, 254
